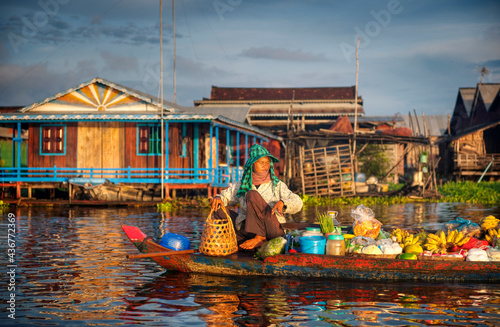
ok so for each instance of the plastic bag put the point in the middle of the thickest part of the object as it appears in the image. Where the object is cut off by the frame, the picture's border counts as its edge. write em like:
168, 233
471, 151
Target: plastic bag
383, 235
467, 227
452, 225
477, 255
470, 229
493, 254
271, 247
356, 244
371, 249
474, 243
365, 223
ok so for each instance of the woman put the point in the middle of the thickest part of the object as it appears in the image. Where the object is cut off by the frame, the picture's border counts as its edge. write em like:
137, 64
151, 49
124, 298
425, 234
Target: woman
263, 199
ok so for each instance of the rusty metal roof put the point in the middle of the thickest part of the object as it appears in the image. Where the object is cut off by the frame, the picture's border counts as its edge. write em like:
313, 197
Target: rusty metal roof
282, 94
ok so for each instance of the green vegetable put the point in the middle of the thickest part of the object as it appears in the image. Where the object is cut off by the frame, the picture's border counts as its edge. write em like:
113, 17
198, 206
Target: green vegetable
325, 222
271, 247
407, 256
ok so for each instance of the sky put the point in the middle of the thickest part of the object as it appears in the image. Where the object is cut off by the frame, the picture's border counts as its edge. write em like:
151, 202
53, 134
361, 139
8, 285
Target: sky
413, 55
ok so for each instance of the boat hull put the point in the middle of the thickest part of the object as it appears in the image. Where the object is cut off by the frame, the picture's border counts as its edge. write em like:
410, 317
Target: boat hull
320, 266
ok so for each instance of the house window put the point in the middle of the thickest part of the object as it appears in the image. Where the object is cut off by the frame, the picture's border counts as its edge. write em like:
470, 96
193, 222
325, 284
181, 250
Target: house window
149, 140
53, 140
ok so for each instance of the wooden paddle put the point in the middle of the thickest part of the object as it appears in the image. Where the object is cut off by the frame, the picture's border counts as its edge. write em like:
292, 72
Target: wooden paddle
158, 254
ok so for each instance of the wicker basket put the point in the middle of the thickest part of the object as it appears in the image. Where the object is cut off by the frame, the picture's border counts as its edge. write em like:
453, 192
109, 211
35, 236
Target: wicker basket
218, 237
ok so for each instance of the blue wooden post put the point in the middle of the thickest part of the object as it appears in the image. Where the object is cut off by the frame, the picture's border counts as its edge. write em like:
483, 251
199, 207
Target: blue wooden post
166, 151
16, 147
217, 153
91, 172
228, 152
246, 148
55, 171
196, 151
129, 175
210, 159
238, 155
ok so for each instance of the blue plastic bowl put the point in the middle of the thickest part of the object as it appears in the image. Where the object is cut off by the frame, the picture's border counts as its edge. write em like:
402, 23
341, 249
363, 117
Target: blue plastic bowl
312, 244
175, 242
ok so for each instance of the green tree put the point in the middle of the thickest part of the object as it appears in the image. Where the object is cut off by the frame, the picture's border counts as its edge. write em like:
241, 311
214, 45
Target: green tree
372, 161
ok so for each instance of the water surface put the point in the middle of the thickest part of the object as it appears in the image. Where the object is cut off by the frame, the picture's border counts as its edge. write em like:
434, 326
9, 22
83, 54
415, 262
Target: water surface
71, 269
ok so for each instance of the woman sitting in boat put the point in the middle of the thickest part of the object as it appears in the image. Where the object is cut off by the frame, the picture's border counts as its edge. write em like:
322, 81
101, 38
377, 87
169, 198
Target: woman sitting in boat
263, 199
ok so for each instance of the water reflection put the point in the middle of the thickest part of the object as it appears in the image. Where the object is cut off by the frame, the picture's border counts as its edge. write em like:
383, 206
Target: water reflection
275, 301
72, 266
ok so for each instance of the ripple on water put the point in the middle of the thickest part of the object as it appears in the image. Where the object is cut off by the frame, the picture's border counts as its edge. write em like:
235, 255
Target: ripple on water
72, 268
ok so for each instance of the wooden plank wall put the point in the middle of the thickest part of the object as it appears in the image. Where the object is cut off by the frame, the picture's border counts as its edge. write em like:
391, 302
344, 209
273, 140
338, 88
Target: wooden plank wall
100, 145
131, 158
37, 160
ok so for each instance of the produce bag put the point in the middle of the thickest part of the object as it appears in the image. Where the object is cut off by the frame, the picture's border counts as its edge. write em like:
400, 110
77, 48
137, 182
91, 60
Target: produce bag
271, 247
493, 254
365, 223
474, 243
467, 227
453, 224
470, 229
477, 255
357, 243
371, 249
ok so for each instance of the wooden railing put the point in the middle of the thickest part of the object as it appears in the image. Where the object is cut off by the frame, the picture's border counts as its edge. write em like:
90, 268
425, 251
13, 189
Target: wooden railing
219, 177
473, 163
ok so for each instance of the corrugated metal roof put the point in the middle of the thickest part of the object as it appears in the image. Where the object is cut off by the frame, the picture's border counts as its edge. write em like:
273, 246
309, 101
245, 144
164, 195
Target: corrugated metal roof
467, 94
436, 124
282, 93
236, 113
488, 93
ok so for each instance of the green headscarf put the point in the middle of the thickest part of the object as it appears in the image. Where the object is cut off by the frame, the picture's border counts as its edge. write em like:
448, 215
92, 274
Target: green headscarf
256, 152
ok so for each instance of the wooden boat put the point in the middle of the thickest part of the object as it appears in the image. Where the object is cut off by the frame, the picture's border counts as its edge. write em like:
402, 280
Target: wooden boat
317, 266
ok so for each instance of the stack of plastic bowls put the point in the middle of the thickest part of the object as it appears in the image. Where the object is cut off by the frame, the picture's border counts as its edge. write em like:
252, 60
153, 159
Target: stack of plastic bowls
175, 242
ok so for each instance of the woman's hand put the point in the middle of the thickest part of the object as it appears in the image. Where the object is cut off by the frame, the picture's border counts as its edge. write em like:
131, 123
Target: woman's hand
278, 206
216, 202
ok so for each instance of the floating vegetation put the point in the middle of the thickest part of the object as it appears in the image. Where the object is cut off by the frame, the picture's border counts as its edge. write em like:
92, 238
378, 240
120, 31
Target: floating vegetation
470, 192
3, 206
467, 192
165, 206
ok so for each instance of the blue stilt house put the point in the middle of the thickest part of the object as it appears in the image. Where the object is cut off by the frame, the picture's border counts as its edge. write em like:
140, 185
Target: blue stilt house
104, 133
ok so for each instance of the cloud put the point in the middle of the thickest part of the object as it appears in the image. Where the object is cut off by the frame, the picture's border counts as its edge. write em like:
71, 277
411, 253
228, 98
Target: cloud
22, 85
120, 63
281, 54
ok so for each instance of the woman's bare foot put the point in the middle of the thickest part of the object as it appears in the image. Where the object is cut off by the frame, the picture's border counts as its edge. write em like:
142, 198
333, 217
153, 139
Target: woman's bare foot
253, 243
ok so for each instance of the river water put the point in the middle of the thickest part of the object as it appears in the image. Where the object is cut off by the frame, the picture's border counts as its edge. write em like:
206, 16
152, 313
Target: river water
69, 268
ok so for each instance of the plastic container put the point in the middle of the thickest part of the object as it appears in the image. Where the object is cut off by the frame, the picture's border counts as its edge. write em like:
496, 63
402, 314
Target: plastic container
175, 242
312, 244
335, 245
312, 231
360, 177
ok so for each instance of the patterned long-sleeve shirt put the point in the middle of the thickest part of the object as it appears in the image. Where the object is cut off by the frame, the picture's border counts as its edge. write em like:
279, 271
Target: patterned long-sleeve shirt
293, 202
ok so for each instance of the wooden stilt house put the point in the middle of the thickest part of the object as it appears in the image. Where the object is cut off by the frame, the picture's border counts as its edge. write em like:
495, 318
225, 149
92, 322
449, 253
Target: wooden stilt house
472, 148
104, 134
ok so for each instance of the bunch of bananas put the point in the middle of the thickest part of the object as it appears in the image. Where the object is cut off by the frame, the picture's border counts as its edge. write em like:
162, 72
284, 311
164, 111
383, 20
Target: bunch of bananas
441, 243
491, 234
409, 243
489, 222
